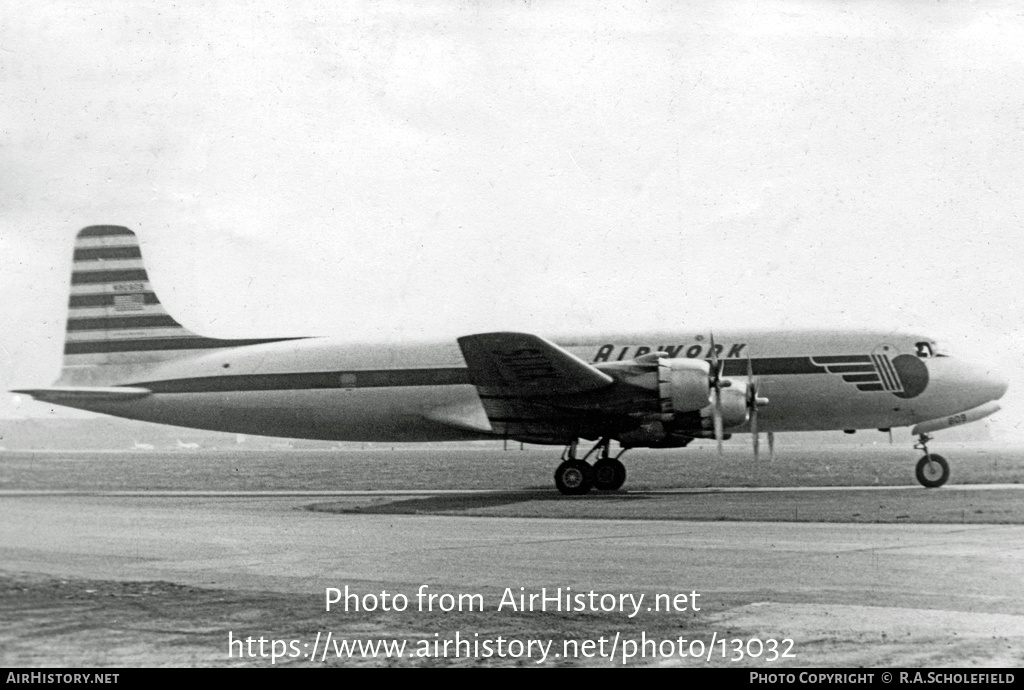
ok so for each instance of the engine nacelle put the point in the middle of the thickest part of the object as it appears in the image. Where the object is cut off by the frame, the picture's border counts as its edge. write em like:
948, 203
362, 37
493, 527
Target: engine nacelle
683, 384
734, 408
700, 422
653, 435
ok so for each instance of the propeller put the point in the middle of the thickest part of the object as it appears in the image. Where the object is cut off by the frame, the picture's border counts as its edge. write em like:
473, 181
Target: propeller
771, 445
716, 386
753, 402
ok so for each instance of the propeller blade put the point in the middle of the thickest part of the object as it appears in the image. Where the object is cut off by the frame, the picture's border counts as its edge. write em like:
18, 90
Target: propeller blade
716, 386
716, 416
752, 405
717, 364
753, 431
771, 445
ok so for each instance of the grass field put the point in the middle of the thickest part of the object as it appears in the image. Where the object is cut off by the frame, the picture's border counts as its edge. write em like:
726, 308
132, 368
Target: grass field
472, 468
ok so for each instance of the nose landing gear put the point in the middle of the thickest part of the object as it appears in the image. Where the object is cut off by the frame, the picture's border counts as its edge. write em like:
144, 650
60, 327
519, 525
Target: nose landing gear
932, 470
575, 477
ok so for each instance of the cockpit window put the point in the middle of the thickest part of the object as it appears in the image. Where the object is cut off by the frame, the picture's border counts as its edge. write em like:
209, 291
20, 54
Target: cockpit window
927, 349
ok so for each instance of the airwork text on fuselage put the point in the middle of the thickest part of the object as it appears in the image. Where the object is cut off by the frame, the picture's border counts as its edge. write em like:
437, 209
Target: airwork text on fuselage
619, 353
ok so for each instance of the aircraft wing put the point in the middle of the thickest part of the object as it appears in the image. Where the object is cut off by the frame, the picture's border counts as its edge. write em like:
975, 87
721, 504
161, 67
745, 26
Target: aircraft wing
526, 365
520, 378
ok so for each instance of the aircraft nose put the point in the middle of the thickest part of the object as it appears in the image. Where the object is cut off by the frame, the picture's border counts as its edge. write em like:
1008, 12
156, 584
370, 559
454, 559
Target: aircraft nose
999, 386
991, 383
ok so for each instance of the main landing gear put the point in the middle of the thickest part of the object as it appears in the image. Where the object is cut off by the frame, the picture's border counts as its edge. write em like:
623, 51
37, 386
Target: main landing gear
932, 469
575, 477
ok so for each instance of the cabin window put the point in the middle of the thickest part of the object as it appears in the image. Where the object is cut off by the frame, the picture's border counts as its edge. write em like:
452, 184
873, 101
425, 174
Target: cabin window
924, 350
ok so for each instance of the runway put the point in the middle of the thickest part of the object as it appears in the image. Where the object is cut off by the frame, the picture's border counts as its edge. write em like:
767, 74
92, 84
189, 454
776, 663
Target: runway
270, 543
475, 492
847, 582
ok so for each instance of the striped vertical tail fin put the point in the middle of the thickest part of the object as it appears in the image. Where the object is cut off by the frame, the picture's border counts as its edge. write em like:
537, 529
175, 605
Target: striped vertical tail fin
116, 325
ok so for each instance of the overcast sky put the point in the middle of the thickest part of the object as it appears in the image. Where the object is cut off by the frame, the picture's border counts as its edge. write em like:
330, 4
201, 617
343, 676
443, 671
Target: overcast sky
394, 170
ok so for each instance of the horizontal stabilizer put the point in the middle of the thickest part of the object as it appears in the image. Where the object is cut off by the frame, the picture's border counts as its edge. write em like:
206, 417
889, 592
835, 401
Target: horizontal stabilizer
525, 365
70, 394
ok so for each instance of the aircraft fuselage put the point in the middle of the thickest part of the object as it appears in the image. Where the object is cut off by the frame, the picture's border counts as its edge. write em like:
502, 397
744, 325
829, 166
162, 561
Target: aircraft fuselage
320, 388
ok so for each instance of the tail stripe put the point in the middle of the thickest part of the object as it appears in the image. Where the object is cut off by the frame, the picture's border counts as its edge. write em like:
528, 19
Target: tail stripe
91, 277
134, 334
111, 300
135, 288
113, 323
86, 266
105, 231
106, 242
106, 254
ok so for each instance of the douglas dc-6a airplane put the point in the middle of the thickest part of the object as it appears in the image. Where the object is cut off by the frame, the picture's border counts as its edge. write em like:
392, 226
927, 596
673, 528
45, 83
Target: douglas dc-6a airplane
125, 356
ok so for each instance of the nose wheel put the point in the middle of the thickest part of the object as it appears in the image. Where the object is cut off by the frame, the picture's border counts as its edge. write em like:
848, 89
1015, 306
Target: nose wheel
932, 470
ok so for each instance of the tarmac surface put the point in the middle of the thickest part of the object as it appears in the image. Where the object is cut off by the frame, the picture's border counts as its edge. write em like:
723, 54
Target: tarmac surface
272, 543
268, 542
847, 594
